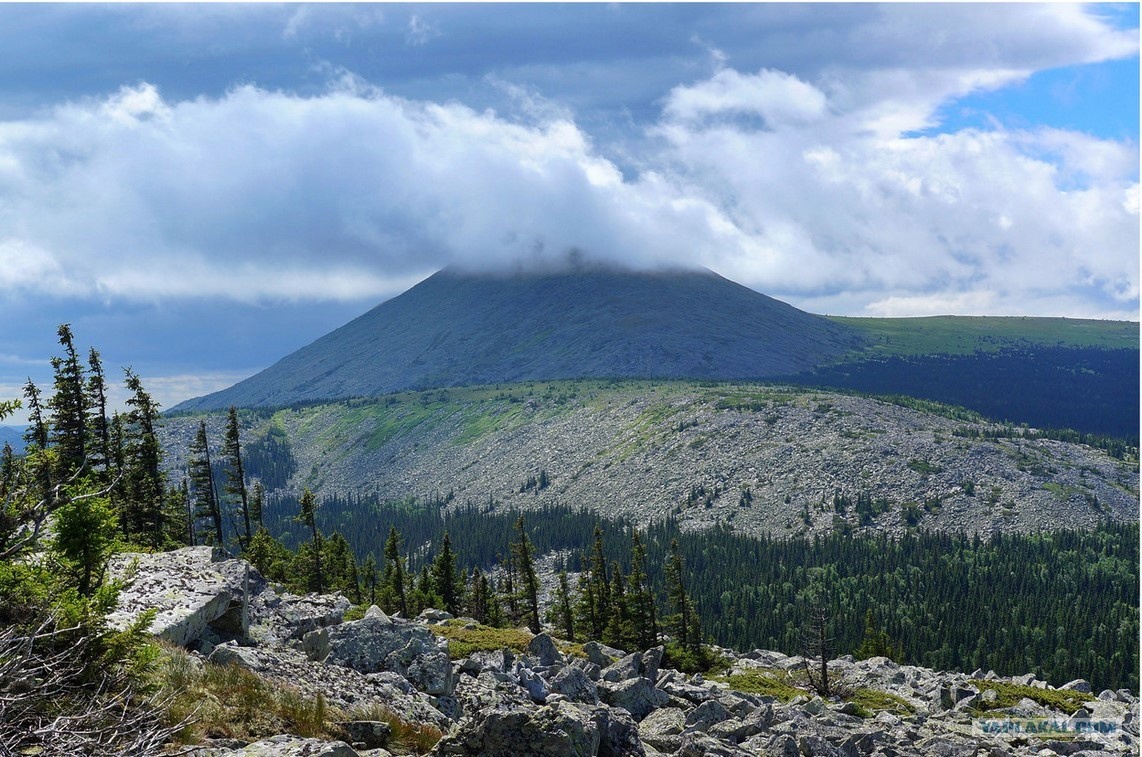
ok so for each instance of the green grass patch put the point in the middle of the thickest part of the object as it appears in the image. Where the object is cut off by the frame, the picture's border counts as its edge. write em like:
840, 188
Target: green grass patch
923, 467
763, 682
1009, 694
964, 335
871, 701
463, 641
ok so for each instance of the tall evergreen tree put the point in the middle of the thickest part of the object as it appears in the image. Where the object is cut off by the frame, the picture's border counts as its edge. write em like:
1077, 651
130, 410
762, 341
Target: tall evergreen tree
201, 476
683, 622
369, 578
640, 598
257, 505
341, 567
146, 483
37, 432
235, 485
444, 577
586, 605
99, 431
564, 615
617, 632
393, 596
478, 591
307, 515
600, 584
69, 407
529, 582
36, 438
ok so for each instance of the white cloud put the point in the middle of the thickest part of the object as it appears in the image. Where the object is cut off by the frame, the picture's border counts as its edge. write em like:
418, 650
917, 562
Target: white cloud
419, 31
777, 97
805, 185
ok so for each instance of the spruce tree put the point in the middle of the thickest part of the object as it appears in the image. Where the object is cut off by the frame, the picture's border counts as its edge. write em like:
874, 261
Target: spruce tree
99, 431
683, 622
308, 516
201, 476
585, 608
69, 407
146, 483
37, 433
257, 505
600, 585
84, 538
640, 598
36, 439
529, 588
478, 596
444, 576
369, 577
564, 616
393, 597
235, 485
617, 631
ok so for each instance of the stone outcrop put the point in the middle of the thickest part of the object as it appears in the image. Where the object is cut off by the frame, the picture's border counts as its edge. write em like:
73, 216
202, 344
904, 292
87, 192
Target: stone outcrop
189, 589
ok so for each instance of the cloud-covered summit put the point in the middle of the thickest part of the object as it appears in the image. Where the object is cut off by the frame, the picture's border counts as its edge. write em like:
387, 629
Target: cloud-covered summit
274, 170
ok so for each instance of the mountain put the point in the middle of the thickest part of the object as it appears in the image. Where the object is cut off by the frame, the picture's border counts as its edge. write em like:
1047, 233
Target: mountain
13, 435
458, 328
762, 459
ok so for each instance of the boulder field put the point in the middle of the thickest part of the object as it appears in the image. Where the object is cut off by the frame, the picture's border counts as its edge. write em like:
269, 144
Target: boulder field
557, 700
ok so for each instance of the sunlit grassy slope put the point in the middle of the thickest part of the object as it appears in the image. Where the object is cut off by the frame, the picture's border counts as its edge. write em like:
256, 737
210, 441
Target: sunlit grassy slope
967, 334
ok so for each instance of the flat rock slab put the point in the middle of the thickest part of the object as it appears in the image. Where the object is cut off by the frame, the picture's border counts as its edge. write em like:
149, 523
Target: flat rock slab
185, 587
294, 746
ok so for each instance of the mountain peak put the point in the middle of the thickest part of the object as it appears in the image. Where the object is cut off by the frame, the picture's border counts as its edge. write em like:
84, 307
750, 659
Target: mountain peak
582, 319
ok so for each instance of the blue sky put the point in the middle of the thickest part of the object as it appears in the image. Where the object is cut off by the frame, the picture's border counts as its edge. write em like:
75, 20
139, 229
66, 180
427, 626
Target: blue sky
201, 189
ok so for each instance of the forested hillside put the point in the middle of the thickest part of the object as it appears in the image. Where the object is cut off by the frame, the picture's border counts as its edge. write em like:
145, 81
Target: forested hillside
1062, 604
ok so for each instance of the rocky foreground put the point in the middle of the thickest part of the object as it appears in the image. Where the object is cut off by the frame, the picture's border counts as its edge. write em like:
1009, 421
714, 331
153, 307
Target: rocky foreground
558, 699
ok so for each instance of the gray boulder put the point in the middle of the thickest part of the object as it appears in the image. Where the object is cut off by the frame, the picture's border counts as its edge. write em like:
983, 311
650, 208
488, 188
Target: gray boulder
574, 684
628, 667
229, 653
707, 714
662, 729
186, 589
651, 660
281, 618
557, 730
379, 643
367, 734
544, 650
635, 695
1079, 684
595, 653
561, 729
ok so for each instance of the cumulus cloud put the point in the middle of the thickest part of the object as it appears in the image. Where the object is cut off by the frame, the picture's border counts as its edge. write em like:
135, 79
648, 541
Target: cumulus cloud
809, 184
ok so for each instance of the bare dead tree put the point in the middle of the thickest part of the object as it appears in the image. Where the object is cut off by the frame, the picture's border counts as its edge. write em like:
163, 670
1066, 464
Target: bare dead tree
818, 644
56, 699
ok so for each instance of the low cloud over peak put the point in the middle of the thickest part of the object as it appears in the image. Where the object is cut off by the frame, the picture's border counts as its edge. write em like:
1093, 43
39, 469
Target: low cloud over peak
823, 181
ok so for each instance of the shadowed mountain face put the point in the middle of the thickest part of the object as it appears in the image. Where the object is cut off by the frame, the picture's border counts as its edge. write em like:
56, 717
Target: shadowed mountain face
456, 328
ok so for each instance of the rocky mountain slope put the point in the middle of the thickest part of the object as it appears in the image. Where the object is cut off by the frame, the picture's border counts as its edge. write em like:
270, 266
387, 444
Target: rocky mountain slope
539, 696
765, 459
457, 328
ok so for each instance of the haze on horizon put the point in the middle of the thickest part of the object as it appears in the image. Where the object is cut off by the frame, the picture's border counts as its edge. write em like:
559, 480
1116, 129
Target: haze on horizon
201, 189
